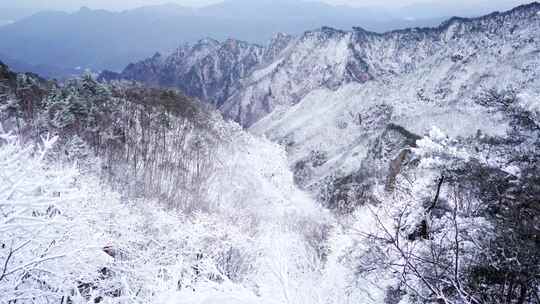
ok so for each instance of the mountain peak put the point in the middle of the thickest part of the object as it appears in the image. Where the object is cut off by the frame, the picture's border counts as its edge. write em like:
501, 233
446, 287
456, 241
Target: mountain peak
235, 43
524, 10
207, 41
280, 39
324, 32
533, 5
280, 36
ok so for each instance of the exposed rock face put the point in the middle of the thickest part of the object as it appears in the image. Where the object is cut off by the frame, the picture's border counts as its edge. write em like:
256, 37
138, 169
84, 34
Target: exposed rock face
386, 157
6, 74
277, 45
319, 59
209, 69
393, 148
147, 71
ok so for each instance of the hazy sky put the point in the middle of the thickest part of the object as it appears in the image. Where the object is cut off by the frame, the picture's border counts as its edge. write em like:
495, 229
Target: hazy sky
126, 4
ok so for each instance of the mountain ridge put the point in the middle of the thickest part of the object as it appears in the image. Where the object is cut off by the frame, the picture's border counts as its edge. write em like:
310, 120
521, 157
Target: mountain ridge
182, 69
350, 58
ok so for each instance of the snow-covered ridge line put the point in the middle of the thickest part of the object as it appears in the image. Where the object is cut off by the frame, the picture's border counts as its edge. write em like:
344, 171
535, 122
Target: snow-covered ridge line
329, 58
533, 8
248, 81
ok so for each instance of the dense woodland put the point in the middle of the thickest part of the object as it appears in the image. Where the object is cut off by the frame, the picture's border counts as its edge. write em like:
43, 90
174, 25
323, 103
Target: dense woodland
141, 136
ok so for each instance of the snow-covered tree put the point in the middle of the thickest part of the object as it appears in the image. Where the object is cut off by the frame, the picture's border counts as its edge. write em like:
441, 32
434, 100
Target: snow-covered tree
44, 251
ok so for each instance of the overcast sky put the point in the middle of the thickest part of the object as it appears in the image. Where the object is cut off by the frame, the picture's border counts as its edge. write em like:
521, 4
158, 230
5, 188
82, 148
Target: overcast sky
127, 4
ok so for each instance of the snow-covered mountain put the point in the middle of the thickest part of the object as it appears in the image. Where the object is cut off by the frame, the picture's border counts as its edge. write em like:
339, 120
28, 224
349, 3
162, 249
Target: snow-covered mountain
209, 69
248, 85
415, 79
446, 63
331, 94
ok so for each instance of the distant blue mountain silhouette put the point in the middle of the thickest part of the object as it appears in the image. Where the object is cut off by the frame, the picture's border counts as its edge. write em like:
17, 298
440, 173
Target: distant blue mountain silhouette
99, 39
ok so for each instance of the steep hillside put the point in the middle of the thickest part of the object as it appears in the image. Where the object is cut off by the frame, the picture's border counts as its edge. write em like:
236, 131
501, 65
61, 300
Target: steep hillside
416, 79
331, 96
209, 69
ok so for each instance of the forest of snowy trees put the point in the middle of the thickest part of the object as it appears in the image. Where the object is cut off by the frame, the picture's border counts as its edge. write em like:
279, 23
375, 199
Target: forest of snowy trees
117, 193
126, 194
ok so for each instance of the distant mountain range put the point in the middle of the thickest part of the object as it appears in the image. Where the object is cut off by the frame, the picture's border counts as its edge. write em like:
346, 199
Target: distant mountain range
60, 42
99, 39
44, 70
248, 81
12, 14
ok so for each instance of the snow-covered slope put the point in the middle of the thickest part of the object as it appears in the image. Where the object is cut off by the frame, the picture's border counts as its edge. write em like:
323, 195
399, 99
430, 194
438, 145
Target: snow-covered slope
217, 217
414, 79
